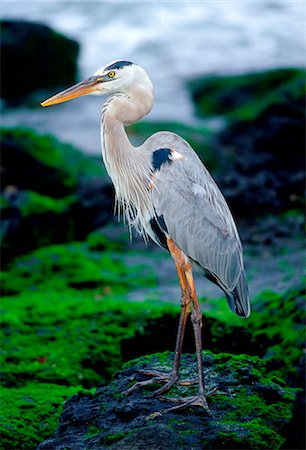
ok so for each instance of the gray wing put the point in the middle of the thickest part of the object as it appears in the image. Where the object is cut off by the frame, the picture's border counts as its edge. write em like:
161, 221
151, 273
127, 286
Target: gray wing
199, 221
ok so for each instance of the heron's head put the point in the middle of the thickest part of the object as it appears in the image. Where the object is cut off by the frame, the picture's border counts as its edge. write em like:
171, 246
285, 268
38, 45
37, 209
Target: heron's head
119, 76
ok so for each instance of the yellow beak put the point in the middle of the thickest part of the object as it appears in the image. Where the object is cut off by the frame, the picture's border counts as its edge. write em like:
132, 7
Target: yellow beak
84, 87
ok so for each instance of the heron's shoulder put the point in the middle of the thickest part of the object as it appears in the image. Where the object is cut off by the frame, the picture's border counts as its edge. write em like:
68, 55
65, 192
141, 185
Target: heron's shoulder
170, 140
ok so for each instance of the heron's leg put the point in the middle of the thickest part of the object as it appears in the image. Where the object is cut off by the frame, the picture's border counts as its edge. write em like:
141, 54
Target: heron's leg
196, 318
172, 378
185, 309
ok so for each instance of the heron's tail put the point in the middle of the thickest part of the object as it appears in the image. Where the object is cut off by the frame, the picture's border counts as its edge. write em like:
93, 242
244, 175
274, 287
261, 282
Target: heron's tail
239, 299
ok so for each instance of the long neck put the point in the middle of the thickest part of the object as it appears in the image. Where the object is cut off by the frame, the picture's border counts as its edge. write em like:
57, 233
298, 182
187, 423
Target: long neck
128, 167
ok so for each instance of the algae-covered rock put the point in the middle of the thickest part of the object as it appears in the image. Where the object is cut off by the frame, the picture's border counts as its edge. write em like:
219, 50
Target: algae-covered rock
244, 96
30, 220
34, 57
264, 135
29, 413
67, 320
41, 163
51, 192
68, 295
275, 331
249, 410
74, 265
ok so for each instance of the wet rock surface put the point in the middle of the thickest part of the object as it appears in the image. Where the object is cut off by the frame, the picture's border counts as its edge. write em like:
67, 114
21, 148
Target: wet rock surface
243, 398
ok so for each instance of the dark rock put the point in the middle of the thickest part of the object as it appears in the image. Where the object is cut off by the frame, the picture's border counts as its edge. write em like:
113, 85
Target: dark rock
30, 220
152, 437
110, 419
34, 57
95, 204
267, 175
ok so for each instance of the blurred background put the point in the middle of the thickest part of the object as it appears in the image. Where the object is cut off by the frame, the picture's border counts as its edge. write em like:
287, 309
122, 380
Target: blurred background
229, 77
174, 42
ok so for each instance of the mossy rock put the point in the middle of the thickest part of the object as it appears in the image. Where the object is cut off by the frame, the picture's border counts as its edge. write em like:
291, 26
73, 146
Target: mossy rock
96, 269
31, 220
46, 59
47, 186
275, 331
29, 413
245, 96
70, 295
41, 163
250, 410
76, 265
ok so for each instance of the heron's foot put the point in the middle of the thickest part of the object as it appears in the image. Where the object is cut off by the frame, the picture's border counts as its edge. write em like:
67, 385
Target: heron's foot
186, 402
160, 377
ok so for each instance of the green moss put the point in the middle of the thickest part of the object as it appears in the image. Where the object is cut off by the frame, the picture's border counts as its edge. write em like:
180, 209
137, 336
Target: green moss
29, 414
274, 331
53, 168
93, 430
73, 265
244, 97
32, 220
3, 202
39, 204
111, 438
256, 436
42, 329
97, 241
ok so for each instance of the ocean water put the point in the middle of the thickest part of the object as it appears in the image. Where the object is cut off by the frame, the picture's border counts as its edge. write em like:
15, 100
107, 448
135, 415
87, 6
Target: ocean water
173, 40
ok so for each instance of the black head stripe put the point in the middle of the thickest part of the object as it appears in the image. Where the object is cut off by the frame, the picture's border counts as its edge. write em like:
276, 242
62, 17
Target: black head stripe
118, 65
160, 157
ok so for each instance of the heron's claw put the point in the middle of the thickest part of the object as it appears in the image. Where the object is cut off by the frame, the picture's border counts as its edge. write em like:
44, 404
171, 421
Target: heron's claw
160, 377
182, 403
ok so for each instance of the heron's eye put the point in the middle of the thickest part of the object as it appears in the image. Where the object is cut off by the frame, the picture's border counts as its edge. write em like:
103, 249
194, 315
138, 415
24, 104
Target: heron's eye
111, 74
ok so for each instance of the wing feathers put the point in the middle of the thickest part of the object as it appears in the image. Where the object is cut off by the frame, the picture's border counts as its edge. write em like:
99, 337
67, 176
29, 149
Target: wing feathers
200, 223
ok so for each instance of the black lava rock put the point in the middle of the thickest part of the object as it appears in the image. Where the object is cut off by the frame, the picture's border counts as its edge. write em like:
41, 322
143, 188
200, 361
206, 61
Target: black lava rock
242, 418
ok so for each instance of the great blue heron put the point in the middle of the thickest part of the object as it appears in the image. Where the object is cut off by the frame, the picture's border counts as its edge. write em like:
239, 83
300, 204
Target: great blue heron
166, 193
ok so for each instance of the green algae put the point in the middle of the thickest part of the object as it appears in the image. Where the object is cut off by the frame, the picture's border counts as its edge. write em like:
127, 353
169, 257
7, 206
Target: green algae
30, 413
41, 199
66, 317
53, 168
244, 97
74, 265
36, 203
31, 220
275, 331
70, 339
